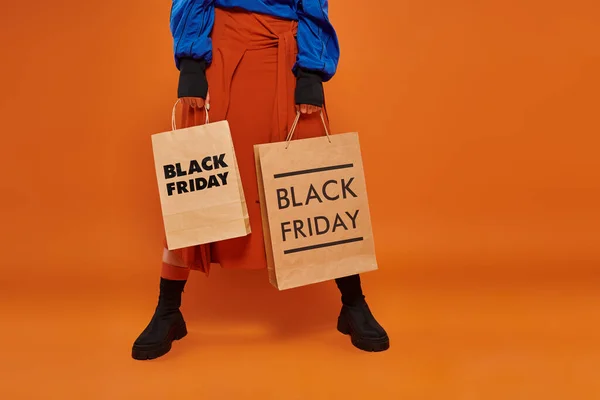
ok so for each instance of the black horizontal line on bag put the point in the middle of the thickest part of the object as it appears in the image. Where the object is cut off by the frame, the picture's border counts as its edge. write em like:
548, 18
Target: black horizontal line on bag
320, 246
313, 170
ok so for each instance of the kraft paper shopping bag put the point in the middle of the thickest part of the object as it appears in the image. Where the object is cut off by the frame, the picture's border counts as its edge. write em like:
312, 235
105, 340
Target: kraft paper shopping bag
315, 210
201, 194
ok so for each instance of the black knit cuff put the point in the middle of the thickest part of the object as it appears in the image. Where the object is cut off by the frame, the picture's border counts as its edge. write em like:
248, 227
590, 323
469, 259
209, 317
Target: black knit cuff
309, 88
192, 78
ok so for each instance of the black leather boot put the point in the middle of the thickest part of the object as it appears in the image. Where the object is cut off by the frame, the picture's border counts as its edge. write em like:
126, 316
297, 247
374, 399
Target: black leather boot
166, 325
356, 318
364, 330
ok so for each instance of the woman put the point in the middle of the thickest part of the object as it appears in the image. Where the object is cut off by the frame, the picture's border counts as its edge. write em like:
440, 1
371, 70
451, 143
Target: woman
262, 63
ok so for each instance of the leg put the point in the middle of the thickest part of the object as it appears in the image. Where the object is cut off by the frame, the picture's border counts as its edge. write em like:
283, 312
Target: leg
351, 290
356, 318
173, 273
167, 323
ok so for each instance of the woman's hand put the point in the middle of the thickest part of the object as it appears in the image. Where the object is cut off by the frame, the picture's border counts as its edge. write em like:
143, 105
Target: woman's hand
309, 92
196, 102
307, 109
193, 86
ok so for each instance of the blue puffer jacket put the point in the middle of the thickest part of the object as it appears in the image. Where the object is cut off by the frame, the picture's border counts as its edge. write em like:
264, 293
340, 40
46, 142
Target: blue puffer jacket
318, 47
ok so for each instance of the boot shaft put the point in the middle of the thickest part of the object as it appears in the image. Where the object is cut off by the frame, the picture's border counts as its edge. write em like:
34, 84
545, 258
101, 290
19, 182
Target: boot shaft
170, 294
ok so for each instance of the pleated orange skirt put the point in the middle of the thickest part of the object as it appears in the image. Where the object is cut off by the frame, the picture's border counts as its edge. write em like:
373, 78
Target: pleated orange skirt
251, 85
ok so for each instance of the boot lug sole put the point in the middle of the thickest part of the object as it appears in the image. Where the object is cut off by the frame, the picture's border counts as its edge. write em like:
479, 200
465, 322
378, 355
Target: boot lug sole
155, 351
373, 345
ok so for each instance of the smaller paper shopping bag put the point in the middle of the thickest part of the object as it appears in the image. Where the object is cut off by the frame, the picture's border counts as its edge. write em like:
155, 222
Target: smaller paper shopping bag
315, 210
201, 194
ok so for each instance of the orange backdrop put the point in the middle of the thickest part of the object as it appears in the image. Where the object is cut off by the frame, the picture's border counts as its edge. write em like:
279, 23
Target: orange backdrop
479, 123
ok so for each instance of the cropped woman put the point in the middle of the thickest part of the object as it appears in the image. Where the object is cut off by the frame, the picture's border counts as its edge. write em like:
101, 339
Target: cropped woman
262, 60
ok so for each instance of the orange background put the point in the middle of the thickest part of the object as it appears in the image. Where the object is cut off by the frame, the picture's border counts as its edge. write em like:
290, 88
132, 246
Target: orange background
479, 123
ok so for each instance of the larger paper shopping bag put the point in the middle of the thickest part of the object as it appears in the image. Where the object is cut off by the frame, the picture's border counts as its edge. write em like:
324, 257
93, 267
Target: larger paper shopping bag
315, 211
200, 189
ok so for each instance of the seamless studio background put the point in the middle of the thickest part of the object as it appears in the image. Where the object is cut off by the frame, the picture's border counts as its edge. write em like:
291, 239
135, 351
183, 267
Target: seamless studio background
479, 127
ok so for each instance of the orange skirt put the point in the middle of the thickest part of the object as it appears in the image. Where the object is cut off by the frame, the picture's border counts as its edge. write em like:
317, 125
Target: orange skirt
251, 85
